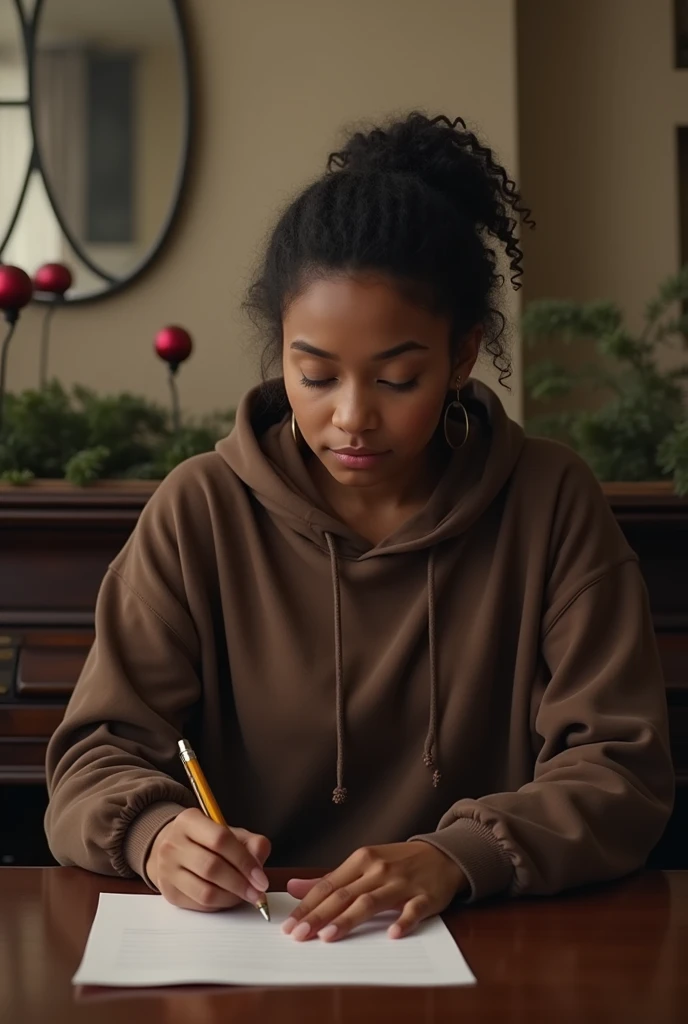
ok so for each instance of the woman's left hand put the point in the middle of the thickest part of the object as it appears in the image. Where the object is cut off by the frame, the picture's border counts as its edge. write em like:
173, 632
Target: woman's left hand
414, 878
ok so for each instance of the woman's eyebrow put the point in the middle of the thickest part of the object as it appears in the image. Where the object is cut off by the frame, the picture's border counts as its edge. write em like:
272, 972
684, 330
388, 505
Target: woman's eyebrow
390, 353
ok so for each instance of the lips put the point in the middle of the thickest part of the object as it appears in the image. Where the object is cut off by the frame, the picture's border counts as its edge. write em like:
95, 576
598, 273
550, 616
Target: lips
358, 458
355, 451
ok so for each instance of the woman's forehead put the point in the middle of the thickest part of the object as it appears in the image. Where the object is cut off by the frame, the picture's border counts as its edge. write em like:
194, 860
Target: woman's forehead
368, 309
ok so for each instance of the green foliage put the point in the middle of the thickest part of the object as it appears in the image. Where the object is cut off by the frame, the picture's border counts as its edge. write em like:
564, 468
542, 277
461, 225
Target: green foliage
639, 429
87, 465
82, 436
570, 321
673, 456
18, 477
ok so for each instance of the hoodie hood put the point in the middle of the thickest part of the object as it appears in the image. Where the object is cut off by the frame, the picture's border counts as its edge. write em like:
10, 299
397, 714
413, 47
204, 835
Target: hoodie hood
263, 454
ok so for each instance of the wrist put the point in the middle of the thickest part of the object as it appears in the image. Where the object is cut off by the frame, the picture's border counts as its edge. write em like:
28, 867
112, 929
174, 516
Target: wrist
150, 866
142, 832
453, 874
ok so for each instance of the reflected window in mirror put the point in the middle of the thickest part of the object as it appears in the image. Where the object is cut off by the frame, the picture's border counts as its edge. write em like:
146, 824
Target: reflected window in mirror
681, 33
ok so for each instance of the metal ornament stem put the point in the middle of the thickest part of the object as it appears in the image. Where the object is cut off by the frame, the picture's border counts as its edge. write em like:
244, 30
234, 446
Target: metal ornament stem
45, 344
12, 317
174, 393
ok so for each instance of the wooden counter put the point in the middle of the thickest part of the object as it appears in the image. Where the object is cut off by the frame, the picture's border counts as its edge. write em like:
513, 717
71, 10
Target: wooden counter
601, 955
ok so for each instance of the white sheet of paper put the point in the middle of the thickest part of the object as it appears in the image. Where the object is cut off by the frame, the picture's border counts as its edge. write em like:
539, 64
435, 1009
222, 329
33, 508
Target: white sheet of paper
144, 940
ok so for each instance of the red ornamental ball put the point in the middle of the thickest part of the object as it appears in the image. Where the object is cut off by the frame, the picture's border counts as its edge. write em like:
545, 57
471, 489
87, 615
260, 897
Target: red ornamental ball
16, 288
173, 344
55, 278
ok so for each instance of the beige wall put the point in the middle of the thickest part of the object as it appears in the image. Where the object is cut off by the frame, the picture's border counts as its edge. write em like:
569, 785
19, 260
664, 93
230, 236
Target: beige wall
158, 141
276, 81
599, 101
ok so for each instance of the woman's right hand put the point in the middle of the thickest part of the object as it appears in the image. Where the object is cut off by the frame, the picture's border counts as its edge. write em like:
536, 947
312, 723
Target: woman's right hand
199, 865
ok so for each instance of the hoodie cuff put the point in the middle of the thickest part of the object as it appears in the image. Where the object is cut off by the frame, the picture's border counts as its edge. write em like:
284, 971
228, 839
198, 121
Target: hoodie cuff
479, 854
139, 837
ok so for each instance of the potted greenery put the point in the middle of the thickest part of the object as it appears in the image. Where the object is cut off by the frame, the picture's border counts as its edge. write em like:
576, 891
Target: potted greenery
81, 437
637, 429
49, 433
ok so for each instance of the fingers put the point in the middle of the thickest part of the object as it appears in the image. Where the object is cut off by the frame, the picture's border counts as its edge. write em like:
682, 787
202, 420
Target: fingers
202, 876
205, 895
180, 899
361, 875
223, 843
415, 911
200, 865
331, 922
201, 901
300, 887
405, 877
259, 846
322, 890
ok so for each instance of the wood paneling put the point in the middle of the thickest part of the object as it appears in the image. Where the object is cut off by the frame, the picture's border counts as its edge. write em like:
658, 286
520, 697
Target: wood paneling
49, 664
56, 543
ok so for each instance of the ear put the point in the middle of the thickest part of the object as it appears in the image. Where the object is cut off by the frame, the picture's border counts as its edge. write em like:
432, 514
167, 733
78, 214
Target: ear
467, 356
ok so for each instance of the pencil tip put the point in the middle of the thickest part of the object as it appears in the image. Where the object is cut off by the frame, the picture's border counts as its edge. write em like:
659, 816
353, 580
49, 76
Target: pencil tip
265, 912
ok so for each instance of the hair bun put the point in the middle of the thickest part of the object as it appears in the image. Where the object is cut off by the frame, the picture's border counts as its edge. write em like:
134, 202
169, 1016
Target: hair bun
416, 145
446, 156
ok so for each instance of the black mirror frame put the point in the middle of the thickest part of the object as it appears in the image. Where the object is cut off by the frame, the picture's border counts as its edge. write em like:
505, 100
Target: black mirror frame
29, 25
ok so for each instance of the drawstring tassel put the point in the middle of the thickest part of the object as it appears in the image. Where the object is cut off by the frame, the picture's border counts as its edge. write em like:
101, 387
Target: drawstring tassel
429, 762
339, 795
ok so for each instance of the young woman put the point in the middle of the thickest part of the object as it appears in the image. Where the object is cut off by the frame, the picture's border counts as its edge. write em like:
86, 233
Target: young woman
409, 644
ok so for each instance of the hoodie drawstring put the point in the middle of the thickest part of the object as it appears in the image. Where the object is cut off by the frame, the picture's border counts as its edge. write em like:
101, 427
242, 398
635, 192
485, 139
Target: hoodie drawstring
339, 793
430, 748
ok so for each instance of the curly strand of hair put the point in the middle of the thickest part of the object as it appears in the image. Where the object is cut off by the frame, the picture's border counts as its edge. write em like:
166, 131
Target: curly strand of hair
495, 348
503, 227
508, 195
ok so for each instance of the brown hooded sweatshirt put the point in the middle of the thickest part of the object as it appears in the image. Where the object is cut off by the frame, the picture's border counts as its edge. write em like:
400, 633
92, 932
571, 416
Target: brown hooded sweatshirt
485, 679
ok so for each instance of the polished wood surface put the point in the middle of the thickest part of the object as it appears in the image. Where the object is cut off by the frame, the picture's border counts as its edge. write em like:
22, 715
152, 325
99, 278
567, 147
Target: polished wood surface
56, 542
606, 954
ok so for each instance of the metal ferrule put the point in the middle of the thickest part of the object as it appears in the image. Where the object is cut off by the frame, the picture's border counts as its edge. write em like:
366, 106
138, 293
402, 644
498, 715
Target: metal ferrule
186, 751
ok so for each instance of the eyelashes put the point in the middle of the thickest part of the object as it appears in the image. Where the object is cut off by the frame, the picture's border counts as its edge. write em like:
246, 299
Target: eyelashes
407, 385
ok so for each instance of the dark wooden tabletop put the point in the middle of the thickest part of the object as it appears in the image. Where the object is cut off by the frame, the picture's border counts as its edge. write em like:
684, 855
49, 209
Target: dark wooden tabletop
607, 954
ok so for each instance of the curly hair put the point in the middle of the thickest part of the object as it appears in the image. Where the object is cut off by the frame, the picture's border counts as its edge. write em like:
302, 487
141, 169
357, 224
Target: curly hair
421, 200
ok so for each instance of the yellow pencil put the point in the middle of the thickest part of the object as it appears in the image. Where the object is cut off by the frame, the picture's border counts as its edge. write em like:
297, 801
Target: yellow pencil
208, 803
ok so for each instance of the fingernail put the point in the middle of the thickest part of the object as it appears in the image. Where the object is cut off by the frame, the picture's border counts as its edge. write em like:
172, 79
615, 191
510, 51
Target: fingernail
252, 895
394, 932
259, 878
289, 925
302, 931
328, 932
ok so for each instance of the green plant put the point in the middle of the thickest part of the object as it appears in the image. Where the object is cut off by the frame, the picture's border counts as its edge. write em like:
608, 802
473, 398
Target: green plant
82, 436
18, 477
638, 427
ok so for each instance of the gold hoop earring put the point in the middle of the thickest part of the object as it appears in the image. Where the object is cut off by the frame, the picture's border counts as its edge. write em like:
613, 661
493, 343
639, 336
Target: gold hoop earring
294, 429
457, 405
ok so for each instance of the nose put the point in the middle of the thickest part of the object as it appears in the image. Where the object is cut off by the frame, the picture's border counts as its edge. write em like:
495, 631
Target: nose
355, 412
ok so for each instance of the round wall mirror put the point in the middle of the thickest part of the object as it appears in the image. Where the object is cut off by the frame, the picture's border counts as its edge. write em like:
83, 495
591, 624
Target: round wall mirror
95, 119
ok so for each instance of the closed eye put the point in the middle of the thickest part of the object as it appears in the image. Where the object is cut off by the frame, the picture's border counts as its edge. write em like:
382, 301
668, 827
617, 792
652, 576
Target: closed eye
308, 382
407, 385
